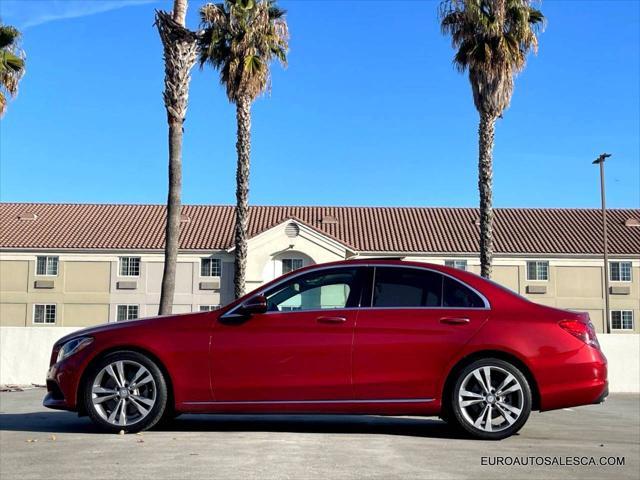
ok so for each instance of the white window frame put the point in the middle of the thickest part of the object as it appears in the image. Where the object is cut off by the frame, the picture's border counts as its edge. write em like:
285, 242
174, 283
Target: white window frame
456, 263
537, 262
212, 259
48, 258
45, 305
208, 308
622, 329
291, 259
620, 280
120, 264
127, 305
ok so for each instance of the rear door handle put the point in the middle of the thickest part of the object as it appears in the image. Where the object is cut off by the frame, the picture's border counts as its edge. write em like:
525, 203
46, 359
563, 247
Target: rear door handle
331, 319
454, 321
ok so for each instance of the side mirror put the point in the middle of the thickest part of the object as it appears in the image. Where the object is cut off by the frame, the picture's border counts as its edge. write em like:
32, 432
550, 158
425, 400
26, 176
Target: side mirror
257, 304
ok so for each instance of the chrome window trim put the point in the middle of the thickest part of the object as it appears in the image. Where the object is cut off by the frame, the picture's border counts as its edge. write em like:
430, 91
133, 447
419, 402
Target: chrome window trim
487, 304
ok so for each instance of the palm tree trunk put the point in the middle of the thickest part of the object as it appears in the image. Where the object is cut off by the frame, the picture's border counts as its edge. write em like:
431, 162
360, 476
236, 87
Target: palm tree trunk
172, 230
179, 57
243, 147
486, 132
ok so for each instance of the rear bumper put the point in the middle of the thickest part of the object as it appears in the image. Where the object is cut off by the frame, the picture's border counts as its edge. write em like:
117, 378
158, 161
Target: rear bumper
603, 397
580, 379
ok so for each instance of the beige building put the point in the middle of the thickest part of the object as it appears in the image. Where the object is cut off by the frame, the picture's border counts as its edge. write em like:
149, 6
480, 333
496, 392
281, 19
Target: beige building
77, 265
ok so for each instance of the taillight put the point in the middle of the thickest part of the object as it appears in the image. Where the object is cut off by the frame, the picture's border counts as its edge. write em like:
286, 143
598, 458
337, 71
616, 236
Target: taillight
581, 330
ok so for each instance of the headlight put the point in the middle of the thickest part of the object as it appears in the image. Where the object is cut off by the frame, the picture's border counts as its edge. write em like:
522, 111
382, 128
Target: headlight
73, 346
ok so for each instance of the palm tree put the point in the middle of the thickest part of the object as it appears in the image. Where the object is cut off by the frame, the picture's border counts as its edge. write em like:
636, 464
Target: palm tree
180, 53
12, 64
492, 38
240, 39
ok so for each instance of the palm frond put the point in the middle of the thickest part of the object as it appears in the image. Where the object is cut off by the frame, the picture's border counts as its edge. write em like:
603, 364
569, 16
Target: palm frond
492, 39
240, 39
12, 64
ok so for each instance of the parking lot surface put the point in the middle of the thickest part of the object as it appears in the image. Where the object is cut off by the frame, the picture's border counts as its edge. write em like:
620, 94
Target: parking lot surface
40, 443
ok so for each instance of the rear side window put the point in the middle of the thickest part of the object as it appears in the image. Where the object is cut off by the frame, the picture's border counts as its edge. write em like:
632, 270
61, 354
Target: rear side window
406, 287
457, 295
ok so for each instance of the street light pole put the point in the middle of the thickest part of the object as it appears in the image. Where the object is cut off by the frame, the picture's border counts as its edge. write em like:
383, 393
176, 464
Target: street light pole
600, 161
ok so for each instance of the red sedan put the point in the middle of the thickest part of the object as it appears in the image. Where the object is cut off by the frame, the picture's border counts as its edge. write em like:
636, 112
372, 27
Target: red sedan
379, 337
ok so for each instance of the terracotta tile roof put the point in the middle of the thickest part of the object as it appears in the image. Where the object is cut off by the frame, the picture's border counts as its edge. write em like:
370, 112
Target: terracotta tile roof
363, 229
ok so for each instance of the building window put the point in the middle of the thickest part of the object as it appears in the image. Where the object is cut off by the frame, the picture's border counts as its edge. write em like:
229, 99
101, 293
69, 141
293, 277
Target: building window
127, 312
129, 266
620, 271
622, 319
44, 313
459, 264
210, 267
47, 266
538, 271
208, 308
291, 264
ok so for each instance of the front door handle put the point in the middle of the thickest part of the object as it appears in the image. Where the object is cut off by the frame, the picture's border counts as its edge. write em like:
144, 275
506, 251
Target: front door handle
331, 319
454, 321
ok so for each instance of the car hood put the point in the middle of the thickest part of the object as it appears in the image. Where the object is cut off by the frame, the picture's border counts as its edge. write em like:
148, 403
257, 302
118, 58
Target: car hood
123, 325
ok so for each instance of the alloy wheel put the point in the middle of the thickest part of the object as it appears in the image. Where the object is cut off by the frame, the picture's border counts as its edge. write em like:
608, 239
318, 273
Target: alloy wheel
491, 399
123, 392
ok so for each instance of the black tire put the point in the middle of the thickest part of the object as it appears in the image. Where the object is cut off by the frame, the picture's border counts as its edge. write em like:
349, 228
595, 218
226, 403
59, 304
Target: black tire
157, 388
519, 399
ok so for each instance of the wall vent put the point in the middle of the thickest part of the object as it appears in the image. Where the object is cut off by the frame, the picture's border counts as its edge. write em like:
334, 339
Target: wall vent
292, 230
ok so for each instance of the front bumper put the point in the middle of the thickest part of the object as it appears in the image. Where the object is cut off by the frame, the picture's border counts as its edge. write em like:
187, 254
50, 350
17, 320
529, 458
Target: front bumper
63, 380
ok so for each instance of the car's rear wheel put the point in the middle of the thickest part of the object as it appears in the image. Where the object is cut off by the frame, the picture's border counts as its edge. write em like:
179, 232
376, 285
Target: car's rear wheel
125, 391
491, 399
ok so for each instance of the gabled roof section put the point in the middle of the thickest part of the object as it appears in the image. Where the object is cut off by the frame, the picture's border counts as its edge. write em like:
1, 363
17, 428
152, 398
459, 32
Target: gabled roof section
339, 243
363, 229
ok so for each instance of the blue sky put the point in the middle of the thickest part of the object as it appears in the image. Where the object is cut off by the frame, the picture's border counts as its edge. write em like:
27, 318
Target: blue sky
369, 112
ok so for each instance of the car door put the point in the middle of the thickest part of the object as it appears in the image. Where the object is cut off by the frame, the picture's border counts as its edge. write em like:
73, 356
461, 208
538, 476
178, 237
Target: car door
417, 321
300, 349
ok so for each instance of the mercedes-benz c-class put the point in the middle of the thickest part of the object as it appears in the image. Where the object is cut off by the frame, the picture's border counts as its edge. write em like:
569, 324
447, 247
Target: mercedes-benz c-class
380, 337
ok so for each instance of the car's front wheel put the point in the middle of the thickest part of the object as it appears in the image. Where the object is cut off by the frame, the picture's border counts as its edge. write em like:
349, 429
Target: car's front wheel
125, 391
491, 399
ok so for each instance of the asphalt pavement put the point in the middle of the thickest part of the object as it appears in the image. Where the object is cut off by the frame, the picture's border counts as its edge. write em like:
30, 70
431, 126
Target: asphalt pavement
39, 443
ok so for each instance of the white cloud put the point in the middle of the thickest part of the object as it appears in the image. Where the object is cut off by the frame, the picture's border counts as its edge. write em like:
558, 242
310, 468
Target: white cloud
29, 13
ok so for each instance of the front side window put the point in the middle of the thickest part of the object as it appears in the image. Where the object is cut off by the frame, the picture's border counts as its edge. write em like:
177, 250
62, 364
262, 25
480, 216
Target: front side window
620, 271
406, 287
46, 265
127, 312
44, 313
538, 270
459, 264
291, 264
210, 267
129, 266
321, 290
622, 319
